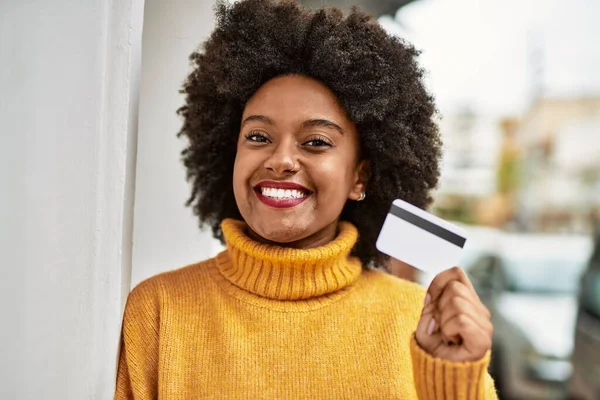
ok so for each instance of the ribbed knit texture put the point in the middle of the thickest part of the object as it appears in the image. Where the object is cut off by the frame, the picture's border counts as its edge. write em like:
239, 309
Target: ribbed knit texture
266, 322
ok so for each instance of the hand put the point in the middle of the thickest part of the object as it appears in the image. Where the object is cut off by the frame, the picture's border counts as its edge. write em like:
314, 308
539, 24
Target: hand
454, 324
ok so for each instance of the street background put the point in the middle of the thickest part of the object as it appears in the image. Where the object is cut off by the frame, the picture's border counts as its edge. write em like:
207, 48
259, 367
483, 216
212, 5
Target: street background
518, 89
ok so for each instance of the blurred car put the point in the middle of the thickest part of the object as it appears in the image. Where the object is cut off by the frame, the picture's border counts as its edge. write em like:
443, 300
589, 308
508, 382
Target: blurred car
585, 383
529, 283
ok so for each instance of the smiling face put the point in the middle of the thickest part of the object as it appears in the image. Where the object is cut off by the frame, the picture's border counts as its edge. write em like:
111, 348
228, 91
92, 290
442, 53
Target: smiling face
296, 164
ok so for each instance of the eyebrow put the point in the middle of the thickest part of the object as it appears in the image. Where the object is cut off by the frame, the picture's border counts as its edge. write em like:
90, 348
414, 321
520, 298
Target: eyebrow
258, 118
322, 123
311, 123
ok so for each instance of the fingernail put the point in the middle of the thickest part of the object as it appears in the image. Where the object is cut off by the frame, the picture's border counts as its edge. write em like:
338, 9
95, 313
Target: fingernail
427, 299
431, 327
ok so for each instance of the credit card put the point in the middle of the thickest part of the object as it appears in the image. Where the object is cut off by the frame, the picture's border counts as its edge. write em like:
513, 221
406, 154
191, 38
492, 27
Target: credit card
420, 239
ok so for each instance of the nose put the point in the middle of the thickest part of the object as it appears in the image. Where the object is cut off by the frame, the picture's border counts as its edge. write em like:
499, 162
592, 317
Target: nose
284, 159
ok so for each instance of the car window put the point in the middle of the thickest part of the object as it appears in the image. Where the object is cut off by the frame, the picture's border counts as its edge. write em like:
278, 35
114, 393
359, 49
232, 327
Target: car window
481, 272
549, 276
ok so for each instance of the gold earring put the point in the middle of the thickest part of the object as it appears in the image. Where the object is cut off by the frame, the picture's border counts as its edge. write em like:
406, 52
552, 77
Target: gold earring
363, 195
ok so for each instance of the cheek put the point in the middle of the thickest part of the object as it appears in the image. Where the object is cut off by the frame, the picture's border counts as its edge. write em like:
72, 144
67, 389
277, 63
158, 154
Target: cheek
337, 173
245, 165
334, 176
240, 175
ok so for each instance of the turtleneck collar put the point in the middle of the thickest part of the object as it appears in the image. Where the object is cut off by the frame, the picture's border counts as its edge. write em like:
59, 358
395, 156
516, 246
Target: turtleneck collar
283, 273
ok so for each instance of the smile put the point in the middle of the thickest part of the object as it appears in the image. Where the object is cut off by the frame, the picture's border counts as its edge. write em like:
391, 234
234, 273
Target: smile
281, 194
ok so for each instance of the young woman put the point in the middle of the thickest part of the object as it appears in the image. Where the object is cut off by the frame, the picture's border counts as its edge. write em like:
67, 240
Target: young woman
303, 127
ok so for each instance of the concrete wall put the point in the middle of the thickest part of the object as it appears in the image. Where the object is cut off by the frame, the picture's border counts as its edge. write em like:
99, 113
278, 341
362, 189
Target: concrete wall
68, 81
166, 234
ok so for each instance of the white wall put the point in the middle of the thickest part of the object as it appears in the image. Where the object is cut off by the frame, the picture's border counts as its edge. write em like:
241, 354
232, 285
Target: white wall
166, 234
68, 100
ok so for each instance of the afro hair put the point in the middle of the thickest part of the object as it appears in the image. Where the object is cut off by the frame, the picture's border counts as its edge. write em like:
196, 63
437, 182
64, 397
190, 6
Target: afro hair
375, 77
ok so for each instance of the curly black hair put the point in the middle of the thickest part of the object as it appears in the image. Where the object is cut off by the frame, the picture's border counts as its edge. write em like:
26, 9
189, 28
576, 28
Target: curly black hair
374, 75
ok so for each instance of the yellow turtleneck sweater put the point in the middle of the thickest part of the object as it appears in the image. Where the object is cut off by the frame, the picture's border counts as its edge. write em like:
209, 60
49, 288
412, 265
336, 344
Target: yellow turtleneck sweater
266, 322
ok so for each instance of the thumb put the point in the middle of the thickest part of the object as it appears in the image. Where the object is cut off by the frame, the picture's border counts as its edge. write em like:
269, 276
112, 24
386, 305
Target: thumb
428, 334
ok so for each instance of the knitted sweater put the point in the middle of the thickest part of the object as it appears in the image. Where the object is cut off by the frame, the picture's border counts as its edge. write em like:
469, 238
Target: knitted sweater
267, 322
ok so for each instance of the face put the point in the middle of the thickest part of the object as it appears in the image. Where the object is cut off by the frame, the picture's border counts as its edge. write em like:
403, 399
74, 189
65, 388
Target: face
296, 164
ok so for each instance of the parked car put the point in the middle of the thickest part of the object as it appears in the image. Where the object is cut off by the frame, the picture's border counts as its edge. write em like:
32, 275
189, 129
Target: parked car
530, 283
585, 383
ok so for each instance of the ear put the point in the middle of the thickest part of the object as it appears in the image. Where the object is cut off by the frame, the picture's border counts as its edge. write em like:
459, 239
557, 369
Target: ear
362, 173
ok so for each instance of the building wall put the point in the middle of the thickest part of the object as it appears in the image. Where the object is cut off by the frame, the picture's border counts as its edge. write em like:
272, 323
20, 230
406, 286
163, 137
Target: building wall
69, 81
558, 139
547, 116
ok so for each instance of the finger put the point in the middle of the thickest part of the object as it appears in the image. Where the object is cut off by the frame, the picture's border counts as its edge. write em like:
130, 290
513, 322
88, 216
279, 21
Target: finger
431, 326
437, 316
474, 339
439, 283
465, 279
448, 340
427, 332
429, 308
459, 305
458, 299
456, 289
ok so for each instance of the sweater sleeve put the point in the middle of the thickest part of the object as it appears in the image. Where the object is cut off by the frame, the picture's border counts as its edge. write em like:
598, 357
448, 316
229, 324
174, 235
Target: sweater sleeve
137, 375
437, 379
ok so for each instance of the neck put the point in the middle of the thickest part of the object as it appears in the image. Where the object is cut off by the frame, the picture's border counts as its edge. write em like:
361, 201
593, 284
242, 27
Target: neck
317, 239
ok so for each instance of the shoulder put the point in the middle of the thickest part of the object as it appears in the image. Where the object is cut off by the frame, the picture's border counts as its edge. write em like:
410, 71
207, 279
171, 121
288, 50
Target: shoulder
156, 297
169, 285
408, 295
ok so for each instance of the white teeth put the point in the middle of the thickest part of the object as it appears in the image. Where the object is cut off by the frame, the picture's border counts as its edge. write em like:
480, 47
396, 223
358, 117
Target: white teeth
282, 193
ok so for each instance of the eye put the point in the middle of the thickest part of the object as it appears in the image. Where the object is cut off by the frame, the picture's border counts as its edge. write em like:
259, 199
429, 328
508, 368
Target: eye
318, 142
256, 137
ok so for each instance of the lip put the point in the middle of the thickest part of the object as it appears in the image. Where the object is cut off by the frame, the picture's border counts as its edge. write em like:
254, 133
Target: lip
281, 203
282, 185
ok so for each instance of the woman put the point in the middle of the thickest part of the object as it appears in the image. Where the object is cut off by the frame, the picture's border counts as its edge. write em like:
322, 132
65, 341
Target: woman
303, 127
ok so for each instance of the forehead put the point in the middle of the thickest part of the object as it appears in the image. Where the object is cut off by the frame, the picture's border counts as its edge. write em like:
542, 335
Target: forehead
296, 97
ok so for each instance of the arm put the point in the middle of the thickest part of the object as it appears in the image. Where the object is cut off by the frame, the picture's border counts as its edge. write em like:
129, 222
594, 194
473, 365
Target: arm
137, 376
437, 379
450, 349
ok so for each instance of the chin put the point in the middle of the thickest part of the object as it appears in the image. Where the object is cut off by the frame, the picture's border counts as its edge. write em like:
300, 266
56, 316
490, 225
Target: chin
281, 231
283, 236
